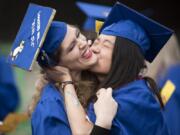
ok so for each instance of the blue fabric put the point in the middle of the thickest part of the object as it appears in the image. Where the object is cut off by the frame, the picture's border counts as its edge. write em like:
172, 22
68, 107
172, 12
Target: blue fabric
9, 97
138, 111
30, 37
149, 35
172, 108
6, 72
129, 30
89, 24
93, 12
49, 117
55, 36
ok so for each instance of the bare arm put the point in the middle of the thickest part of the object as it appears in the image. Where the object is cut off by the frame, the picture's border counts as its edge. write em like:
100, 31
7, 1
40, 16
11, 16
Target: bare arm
76, 113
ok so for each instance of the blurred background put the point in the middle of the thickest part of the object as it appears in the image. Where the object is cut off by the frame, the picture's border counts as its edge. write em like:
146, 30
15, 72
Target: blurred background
12, 13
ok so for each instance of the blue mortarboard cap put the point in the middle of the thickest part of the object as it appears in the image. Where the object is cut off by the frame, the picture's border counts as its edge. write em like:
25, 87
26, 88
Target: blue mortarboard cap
54, 38
149, 35
93, 12
32, 33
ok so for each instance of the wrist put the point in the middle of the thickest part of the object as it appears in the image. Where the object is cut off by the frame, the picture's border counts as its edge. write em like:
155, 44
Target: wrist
105, 123
65, 83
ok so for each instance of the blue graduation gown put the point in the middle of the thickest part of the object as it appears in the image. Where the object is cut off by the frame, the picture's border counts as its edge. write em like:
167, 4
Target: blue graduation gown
9, 97
49, 116
172, 107
138, 111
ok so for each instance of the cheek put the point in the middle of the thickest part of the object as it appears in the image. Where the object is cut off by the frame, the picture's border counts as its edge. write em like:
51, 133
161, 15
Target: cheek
106, 61
72, 59
75, 55
104, 64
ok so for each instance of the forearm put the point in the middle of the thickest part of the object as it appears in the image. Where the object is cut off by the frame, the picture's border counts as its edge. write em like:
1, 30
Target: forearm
75, 112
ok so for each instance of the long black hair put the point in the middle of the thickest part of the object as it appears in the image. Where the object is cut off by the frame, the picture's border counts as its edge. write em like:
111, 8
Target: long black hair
127, 62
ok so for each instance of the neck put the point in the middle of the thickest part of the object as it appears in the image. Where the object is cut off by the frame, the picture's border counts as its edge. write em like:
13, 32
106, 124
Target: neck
101, 77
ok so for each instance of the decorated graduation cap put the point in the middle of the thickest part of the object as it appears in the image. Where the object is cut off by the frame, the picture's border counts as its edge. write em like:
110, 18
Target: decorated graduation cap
93, 12
38, 38
149, 35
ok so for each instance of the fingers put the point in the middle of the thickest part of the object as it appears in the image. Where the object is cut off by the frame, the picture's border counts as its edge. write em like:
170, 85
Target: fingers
53, 74
58, 74
57, 70
100, 92
103, 91
109, 91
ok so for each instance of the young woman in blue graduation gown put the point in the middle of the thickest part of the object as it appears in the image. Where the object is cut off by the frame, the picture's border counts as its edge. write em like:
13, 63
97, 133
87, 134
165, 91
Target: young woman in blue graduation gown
49, 115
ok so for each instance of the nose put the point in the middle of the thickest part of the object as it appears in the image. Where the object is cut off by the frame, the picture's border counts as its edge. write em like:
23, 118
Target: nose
95, 48
82, 44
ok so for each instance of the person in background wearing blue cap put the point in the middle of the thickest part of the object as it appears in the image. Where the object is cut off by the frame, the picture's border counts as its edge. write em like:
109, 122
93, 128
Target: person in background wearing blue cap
126, 39
166, 71
9, 97
171, 111
171, 75
93, 12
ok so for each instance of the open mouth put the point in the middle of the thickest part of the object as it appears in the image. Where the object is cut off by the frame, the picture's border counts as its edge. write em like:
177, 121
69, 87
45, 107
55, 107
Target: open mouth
87, 54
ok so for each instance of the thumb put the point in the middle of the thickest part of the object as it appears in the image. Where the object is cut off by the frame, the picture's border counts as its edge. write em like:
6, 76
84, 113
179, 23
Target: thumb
109, 91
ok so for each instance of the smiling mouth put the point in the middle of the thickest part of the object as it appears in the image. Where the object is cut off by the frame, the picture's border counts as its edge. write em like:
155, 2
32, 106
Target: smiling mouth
87, 54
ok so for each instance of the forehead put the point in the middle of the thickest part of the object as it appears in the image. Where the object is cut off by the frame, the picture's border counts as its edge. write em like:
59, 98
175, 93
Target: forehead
107, 39
70, 35
71, 31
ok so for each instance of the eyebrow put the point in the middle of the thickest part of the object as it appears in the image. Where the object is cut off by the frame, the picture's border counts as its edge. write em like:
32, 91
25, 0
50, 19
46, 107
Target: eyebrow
108, 41
77, 32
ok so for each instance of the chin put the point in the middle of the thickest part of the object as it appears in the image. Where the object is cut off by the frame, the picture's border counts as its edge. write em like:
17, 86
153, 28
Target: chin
89, 62
99, 70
